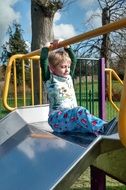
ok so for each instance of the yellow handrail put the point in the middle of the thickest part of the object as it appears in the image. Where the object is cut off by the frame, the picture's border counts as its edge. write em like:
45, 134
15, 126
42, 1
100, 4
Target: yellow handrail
32, 82
112, 72
12, 62
108, 70
7, 81
24, 89
85, 36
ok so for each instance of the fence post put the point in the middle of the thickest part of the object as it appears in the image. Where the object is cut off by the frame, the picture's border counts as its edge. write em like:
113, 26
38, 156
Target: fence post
101, 88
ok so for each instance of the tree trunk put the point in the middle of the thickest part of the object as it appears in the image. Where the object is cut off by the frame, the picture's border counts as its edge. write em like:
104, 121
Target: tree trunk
41, 33
105, 47
105, 40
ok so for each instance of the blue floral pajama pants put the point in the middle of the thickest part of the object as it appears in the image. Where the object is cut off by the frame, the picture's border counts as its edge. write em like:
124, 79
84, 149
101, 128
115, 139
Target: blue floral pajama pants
77, 119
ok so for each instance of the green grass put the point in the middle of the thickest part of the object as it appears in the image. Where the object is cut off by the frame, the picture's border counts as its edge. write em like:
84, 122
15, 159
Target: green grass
3, 111
83, 183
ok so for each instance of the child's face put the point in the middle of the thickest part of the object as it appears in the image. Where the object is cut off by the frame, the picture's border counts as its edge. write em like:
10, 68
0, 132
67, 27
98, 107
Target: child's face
62, 69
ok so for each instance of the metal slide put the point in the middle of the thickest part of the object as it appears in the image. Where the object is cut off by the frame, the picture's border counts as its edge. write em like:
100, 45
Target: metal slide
33, 157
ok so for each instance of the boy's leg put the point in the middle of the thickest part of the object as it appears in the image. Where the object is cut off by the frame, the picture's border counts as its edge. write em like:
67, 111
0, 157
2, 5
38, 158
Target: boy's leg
77, 119
89, 122
64, 120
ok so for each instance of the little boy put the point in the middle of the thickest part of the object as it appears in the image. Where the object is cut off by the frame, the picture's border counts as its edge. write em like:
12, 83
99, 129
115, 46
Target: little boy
58, 67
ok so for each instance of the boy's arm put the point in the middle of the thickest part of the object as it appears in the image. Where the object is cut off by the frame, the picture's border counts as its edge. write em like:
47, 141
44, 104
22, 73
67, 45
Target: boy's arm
44, 63
73, 60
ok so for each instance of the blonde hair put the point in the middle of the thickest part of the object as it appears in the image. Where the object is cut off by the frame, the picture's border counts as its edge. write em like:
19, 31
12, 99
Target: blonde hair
56, 57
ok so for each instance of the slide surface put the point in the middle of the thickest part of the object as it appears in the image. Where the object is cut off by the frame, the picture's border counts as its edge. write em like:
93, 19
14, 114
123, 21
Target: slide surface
38, 159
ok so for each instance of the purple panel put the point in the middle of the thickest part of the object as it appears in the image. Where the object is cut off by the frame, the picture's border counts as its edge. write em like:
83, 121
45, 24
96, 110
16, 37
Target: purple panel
102, 114
98, 180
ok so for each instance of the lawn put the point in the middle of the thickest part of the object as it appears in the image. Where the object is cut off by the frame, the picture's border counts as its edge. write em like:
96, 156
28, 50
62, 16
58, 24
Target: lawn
83, 183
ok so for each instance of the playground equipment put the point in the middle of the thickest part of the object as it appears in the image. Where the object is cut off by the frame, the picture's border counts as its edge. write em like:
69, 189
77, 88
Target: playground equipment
34, 157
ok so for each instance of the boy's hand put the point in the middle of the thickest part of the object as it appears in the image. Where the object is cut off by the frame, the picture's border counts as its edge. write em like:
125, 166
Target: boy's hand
48, 44
55, 44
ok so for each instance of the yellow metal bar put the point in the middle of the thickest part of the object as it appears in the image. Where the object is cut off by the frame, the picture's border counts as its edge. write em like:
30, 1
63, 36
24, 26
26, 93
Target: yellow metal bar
7, 81
24, 84
110, 90
85, 36
110, 84
32, 82
40, 91
112, 72
15, 85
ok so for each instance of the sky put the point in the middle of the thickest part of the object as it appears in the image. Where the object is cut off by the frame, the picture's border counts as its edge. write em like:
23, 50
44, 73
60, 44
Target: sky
78, 18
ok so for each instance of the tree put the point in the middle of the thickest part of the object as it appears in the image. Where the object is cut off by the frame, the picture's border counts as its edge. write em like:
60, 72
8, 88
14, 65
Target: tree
120, 61
42, 15
15, 45
111, 11
106, 45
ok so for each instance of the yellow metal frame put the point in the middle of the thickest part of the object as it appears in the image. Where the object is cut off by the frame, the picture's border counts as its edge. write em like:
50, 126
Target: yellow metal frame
7, 82
111, 73
85, 36
12, 62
